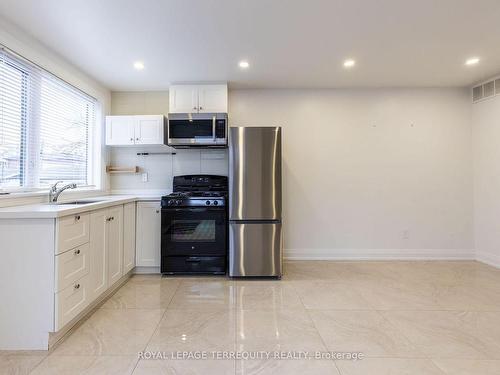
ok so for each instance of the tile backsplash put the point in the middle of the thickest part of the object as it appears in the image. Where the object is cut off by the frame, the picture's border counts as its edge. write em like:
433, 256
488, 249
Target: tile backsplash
161, 168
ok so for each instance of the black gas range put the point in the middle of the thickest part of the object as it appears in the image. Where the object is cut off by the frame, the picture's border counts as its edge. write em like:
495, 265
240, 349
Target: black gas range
194, 226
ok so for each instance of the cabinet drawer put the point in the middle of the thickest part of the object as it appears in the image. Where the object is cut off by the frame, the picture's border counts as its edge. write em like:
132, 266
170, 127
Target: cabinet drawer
71, 301
71, 266
72, 231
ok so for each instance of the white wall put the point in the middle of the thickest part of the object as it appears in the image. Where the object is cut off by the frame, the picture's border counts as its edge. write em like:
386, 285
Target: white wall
27, 46
363, 169
160, 168
358, 177
486, 138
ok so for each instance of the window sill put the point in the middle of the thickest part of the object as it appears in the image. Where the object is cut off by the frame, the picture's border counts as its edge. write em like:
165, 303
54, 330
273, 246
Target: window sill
45, 192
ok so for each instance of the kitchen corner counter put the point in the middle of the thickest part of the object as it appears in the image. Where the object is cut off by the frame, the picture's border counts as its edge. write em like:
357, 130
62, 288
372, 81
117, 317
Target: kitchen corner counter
51, 211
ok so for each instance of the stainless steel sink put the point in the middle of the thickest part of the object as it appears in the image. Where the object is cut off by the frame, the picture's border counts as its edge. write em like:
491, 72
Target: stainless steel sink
80, 202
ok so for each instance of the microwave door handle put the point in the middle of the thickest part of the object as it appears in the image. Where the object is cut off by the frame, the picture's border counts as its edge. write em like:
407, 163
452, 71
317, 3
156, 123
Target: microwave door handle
213, 128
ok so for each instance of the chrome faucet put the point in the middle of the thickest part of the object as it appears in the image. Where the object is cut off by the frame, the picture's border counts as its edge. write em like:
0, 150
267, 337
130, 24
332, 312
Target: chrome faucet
54, 192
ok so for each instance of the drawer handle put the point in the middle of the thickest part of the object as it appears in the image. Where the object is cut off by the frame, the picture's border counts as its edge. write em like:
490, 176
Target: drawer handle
77, 252
77, 286
193, 260
77, 217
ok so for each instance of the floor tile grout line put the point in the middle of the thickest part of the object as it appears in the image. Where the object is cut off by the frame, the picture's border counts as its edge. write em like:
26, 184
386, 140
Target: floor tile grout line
402, 334
321, 338
157, 325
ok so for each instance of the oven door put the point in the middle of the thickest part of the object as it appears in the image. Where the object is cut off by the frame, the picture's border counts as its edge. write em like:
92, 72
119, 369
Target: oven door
193, 231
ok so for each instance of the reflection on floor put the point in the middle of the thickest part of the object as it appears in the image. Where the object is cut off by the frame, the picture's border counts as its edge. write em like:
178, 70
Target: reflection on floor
413, 318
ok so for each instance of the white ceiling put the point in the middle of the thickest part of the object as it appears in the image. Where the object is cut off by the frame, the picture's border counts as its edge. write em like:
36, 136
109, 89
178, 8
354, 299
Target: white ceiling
289, 43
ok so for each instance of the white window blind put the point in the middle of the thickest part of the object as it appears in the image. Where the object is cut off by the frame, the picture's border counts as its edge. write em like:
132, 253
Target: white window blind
45, 128
13, 109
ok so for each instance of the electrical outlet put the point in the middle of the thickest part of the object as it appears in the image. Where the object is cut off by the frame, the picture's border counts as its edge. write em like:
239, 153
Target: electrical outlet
145, 177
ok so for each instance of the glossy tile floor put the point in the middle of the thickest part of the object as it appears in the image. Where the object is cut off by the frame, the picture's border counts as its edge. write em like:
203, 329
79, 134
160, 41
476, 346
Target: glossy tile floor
410, 318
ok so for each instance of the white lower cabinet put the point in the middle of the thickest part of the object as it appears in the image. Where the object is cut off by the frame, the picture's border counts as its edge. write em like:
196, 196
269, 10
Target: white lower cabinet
71, 301
85, 272
115, 244
98, 253
148, 239
71, 266
128, 237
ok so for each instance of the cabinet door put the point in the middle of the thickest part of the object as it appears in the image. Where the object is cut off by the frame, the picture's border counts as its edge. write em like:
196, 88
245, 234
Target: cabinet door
115, 244
128, 237
212, 98
119, 130
148, 234
98, 281
149, 130
183, 99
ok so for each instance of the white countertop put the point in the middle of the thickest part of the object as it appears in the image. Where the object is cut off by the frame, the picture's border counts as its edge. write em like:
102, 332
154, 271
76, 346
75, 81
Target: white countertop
48, 210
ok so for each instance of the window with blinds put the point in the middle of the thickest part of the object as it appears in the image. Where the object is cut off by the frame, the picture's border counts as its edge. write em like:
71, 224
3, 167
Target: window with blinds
45, 128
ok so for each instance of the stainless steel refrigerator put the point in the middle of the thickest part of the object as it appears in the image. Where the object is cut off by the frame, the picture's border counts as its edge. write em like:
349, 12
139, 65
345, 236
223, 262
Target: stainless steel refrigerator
255, 229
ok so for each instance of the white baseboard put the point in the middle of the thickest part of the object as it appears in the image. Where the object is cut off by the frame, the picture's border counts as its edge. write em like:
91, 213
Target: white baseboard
379, 254
146, 270
488, 258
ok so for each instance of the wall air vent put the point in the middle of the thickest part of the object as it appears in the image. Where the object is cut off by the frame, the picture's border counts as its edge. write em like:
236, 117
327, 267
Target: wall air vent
489, 89
486, 90
477, 93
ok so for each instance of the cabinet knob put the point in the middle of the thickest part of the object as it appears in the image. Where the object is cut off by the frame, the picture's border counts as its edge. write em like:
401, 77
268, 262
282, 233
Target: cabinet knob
77, 217
201, 108
77, 252
112, 218
77, 286
157, 211
131, 139
195, 108
137, 139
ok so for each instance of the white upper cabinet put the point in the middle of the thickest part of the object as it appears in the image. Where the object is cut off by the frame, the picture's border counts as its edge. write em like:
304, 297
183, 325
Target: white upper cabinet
120, 130
212, 99
149, 130
183, 99
198, 98
135, 130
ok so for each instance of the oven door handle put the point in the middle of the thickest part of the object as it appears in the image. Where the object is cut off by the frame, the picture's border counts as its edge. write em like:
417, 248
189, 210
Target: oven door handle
213, 128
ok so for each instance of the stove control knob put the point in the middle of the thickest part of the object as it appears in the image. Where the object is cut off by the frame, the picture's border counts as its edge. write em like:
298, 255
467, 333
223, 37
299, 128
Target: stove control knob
207, 203
177, 202
170, 202
216, 203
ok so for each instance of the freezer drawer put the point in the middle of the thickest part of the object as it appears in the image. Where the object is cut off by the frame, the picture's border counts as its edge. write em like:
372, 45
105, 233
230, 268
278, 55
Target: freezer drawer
255, 249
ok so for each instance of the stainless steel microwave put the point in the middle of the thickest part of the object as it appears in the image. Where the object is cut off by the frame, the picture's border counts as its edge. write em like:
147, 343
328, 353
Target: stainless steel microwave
203, 130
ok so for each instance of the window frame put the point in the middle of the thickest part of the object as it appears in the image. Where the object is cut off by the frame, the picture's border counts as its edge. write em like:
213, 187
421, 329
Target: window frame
29, 159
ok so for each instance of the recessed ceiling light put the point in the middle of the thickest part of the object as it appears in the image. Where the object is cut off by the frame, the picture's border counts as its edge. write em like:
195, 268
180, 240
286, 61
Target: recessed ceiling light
472, 61
139, 65
349, 63
243, 64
